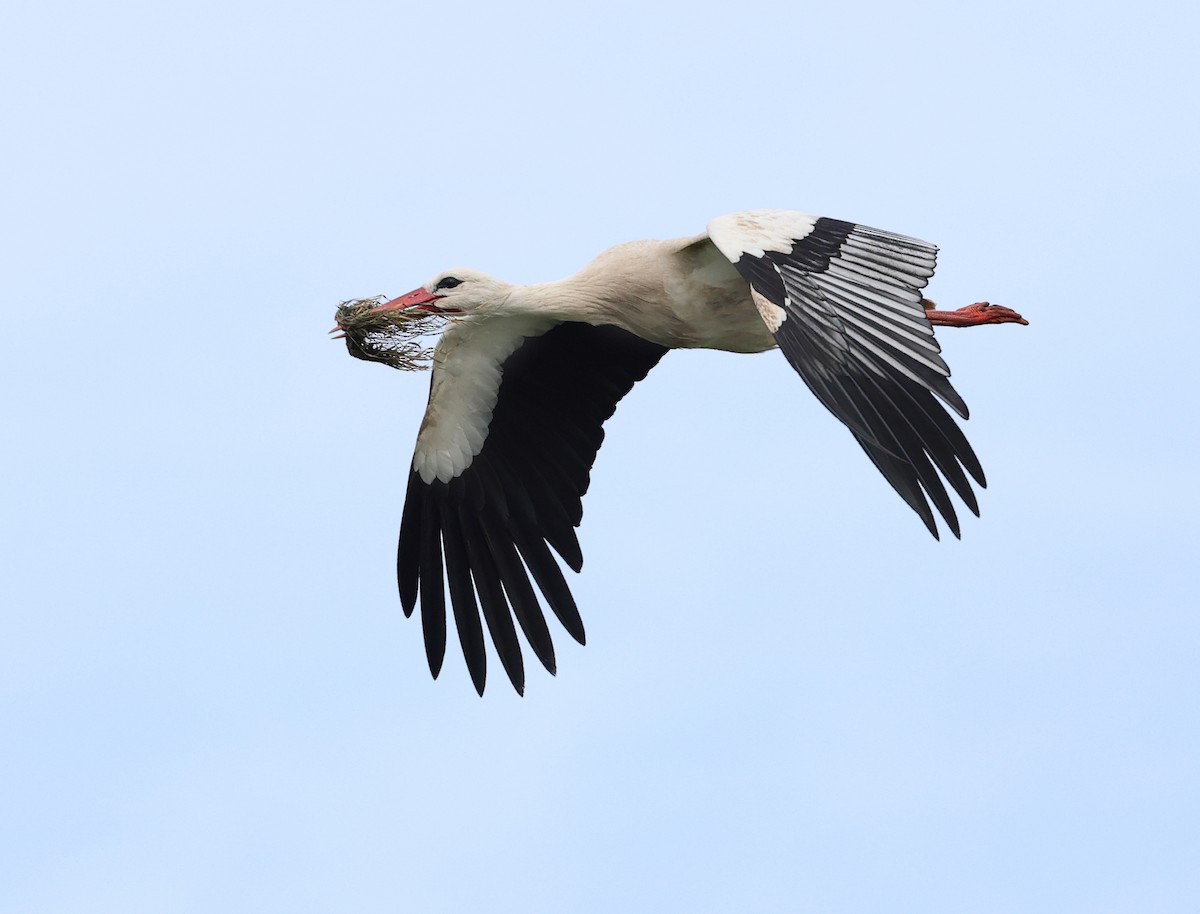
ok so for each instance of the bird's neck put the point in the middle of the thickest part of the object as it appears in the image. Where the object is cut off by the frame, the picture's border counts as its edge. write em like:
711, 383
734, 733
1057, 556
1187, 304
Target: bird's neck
564, 300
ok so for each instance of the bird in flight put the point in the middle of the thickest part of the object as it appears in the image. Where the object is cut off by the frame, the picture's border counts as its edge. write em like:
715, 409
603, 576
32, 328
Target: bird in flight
524, 378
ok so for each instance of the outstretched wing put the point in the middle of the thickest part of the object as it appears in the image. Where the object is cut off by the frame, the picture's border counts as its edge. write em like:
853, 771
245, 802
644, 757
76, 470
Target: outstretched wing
503, 460
843, 301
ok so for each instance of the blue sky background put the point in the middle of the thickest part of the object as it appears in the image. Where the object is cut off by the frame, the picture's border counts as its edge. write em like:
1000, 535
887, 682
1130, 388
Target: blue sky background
792, 699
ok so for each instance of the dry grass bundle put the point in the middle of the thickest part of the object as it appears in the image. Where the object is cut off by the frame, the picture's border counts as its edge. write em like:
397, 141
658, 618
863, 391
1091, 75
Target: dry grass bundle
393, 337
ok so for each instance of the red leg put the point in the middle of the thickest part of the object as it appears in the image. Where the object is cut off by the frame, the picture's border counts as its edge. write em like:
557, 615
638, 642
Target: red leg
978, 313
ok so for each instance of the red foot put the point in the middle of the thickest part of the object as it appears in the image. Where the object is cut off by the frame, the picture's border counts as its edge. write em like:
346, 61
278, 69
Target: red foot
978, 313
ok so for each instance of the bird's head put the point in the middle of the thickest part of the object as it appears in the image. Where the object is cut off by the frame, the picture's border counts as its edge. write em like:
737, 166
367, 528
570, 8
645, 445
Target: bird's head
457, 291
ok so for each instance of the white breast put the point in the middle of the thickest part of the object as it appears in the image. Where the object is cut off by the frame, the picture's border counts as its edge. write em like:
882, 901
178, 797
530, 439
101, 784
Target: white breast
682, 293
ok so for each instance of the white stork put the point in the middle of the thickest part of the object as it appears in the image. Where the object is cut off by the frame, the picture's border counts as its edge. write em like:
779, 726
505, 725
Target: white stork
524, 378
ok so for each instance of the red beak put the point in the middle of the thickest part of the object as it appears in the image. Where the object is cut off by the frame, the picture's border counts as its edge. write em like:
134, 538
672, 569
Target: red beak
417, 298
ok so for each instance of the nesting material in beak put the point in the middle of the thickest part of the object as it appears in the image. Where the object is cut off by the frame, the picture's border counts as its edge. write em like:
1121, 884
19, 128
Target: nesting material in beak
393, 336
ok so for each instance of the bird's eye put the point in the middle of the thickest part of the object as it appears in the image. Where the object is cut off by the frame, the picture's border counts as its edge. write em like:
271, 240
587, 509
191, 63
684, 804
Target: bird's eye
449, 282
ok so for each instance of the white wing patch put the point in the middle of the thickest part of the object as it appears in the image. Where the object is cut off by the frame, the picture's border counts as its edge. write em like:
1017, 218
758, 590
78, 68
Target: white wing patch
467, 370
773, 315
757, 231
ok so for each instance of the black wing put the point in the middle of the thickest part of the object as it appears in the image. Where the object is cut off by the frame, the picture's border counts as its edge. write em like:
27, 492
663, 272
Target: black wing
488, 530
845, 307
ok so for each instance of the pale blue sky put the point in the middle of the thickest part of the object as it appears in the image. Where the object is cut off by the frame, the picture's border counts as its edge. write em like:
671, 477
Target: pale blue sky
792, 698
